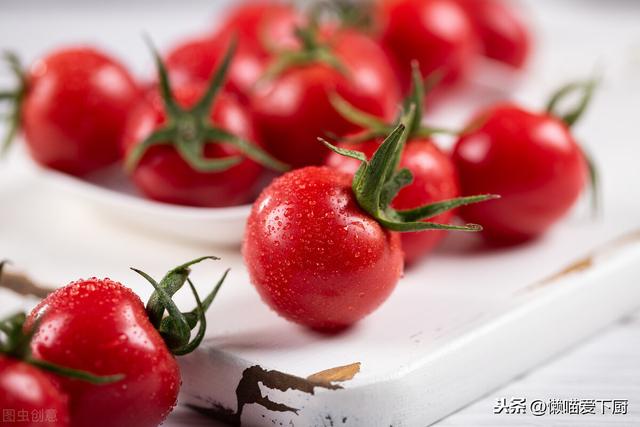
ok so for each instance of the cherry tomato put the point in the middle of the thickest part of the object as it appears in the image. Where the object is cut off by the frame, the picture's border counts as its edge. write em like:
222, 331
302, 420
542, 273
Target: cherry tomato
265, 24
75, 109
30, 397
292, 109
531, 160
261, 27
434, 179
162, 174
436, 33
314, 255
102, 327
195, 61
320, 244
504, 36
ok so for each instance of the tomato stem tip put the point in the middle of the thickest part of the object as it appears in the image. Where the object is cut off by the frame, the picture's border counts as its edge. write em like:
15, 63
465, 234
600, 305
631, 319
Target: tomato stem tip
175, 326
378, 181
190, 130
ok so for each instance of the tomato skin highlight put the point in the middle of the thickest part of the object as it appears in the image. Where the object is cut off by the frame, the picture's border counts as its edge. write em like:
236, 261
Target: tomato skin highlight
163, 175
292, 110
436, 33
504, 36
434, 179
76, 109
531, 160
102, 327
26, 388
314, 256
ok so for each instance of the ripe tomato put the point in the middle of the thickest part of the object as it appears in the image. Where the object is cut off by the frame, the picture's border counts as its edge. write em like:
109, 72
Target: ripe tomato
102, 327
531, 160
434, 177
503, 35
260, 26
30, 397
436, 33
187, 147
124, 343
267, 25
319, 243
293, 108
314, 255
434, 180
162, 174
74, 109
195, 60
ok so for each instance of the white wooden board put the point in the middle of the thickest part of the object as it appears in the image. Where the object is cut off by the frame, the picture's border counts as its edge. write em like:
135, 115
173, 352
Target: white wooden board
458, 325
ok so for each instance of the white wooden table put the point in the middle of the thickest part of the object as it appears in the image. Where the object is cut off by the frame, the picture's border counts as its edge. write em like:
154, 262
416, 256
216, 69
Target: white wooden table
573, 36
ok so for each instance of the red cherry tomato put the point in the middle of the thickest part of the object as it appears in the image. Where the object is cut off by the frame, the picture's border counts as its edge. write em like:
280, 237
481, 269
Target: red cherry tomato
436, 33
504, 36
314, 256
260, 27
434, 179
197, 59
75, 109
531, 160
293, 109
162, 174
102, 327
30, 397
320, 245
265, 24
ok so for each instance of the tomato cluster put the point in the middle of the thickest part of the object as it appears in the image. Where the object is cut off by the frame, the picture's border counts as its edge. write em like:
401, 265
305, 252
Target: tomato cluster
326, 242
81, 110
92, 354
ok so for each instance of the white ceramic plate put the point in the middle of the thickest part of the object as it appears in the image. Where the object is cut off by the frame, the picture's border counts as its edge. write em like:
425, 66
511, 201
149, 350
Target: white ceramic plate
111, 194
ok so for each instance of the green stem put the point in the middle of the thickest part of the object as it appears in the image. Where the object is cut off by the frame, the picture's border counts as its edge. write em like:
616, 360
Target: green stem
189, 130
586, 90
435, 209
174, 326
374, 127
16, 98
378, 181
311, 51
356, 116
202, 320
250, 150
594, 183
74, 373
171, 283
179, 330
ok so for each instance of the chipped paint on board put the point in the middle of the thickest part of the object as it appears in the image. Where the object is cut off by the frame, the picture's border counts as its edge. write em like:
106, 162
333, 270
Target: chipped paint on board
248, 390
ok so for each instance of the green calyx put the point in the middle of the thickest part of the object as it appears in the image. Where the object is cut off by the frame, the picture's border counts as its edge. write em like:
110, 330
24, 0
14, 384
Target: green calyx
15, 342
190, 130
311, 51
175, 326
349, 13
15, 97
374, 127
585, 90
378, 181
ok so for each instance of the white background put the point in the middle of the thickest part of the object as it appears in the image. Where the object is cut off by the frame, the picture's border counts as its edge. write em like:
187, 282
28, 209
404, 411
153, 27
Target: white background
574, 37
